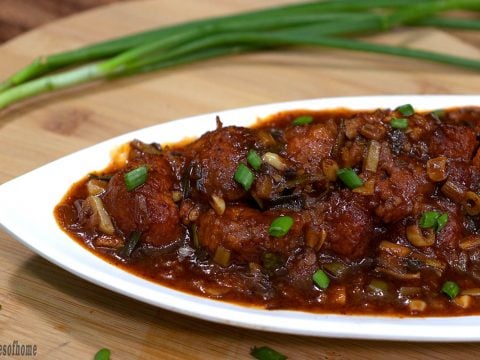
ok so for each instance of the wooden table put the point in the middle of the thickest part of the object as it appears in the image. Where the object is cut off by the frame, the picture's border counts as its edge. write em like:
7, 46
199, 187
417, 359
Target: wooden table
68, 318
17, 17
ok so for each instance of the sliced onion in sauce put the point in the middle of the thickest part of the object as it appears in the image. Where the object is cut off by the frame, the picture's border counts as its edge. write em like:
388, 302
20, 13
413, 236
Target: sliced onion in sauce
471, 203
218, 204
177, 196
315, 238
419, 237
275, 161
452, 191
394, 249
373, 156
105, 224
373, 131
397, 274
471, 292
338, 294
470, 242
368, 188
330, 168
410, 290
464, 301
435, 263
96, 186
436, 169
416, 305
378, 287
222, 256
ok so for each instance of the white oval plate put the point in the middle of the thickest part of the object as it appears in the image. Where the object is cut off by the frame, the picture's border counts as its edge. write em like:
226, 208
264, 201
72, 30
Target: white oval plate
26, 212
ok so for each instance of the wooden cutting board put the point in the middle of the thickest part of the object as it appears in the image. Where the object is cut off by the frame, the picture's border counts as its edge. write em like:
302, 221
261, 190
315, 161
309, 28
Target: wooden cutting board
68, 318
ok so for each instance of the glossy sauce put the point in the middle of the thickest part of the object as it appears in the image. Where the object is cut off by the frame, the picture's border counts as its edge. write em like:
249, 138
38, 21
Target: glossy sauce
359, 237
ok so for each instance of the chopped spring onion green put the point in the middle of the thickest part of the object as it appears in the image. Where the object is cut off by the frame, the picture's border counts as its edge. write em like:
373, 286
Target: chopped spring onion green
302, 120
349, 178
254, 159
266, 353
195, 240
429, 219
405, 110
335, 269
433, 219
451, 289
280, 226
244, 176
100, 177
438, 114
136, 177
271, 262
102, 354
222, 256
378, 287
399, 123
442, 221
321, 279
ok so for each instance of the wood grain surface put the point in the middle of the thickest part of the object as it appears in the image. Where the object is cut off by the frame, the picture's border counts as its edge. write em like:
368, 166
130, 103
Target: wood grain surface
17, 16
69, 318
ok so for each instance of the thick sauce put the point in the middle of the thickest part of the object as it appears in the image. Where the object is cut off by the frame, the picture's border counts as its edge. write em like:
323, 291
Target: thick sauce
382, 211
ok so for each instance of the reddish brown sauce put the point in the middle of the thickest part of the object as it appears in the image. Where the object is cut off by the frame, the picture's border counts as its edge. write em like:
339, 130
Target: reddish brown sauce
191, 226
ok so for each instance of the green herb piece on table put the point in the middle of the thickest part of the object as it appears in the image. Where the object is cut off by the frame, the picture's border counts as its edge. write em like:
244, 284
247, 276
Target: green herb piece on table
266, 353
103, 354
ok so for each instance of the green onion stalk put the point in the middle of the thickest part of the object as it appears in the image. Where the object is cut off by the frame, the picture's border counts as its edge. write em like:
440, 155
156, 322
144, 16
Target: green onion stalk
325, 24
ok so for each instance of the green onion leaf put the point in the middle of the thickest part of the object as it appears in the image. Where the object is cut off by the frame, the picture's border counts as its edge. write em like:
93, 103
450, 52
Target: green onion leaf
136, 177
254, 159
429, 219
302, 120
335, 269
321, 279
433, 219
438, 114
289, 25
102, 354
399, 123
451, 289
405, 110
244, 176
271, 262
378, 287
349, 178
442, 221
280, 226
266, 353
131, 244
195, 240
